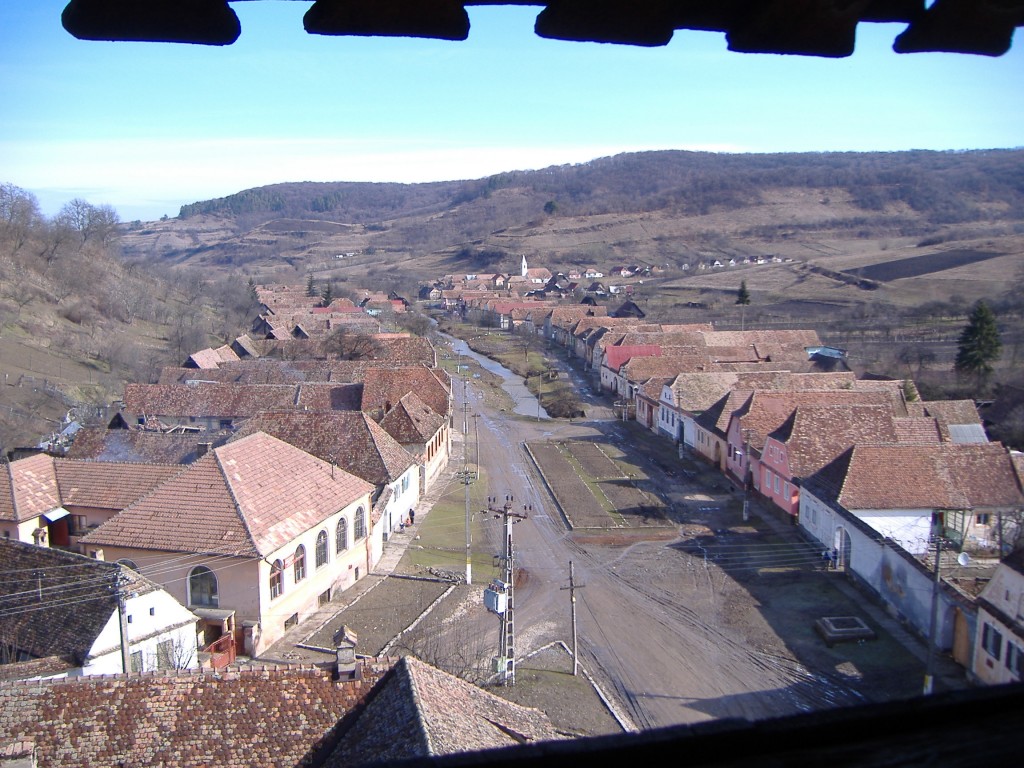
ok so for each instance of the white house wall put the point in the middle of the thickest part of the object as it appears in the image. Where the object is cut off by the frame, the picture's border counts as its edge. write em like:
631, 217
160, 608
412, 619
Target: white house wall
906, 587
910, 528
153, 618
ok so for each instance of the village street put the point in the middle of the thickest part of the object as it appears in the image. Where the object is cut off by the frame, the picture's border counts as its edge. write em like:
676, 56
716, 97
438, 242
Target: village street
674, 648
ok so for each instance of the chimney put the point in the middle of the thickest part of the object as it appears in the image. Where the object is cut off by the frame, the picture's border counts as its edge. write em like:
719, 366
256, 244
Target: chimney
345, 653
202, 449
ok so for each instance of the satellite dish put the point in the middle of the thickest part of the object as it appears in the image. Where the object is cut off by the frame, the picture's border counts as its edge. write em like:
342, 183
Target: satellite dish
963, 559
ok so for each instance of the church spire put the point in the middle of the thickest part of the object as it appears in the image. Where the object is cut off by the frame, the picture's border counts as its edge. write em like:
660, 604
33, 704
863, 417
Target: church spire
524, 268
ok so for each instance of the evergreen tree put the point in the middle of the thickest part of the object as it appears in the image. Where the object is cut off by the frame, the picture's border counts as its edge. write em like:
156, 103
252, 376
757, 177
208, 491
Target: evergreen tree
743, 299
327, 296
310, 286
979, 345
743, 295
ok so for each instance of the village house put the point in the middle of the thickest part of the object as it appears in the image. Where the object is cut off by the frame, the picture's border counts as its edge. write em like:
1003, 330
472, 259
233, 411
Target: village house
60, 617
355, 443
811, 437
999, 642
252, 538
881, 533
50, 501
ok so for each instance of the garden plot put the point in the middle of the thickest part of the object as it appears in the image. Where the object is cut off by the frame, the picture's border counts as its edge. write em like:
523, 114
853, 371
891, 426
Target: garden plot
592, 489
592, 460
577, 502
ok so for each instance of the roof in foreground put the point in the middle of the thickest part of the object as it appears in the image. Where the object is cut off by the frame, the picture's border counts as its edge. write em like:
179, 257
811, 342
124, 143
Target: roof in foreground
421, 711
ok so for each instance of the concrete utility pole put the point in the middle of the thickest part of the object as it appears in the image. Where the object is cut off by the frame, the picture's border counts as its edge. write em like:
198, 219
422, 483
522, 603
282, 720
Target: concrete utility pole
466, 479
122, 617
506, 661
573, 586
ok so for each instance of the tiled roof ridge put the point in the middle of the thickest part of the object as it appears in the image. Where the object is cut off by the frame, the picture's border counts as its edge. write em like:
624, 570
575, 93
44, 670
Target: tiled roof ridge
403, 668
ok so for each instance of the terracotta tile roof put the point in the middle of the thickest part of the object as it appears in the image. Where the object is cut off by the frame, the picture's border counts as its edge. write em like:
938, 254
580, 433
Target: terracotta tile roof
652, 387
352, 440
109, 485
139, 446
204, 358
411, 421
324, 396
950, 412
615, 356
767, 411
29, 488
246, 344
669, 364
815, 435
245, 499
717, 417
793, 338
943, 476
384, 387
206, 400
77, 602
911, 429
285, 716
698, 391
420, 711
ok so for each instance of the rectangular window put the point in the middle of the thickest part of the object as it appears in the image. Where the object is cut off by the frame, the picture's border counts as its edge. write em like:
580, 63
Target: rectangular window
785, 490
324, 597
982, 518
1014, 659
78, 524
992, 641
136, 664
165, 654
767, 479
776, 483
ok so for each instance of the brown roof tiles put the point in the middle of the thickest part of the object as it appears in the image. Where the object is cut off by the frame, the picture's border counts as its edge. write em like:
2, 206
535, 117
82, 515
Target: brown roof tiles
244, 499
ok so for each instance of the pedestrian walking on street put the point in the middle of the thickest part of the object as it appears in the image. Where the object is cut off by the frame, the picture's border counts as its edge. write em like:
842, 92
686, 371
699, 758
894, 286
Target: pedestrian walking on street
412, 516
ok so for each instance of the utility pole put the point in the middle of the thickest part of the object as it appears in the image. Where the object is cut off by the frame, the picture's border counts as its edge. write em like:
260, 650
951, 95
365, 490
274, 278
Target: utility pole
466, 479
573, 586
122, 617
476, 434
506, 661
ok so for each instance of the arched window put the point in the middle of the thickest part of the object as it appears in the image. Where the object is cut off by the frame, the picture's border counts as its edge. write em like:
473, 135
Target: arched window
276, 579
321, 549
359, 527
341, 536
300, 563
202, 587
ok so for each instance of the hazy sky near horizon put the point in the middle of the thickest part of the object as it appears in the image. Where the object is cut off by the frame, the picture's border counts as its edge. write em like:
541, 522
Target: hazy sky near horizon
147, 127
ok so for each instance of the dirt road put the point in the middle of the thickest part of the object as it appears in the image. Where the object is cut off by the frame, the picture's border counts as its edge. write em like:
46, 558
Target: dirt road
676, 639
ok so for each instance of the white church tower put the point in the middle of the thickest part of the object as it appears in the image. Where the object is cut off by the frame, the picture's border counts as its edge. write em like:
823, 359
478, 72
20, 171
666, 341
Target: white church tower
524, 267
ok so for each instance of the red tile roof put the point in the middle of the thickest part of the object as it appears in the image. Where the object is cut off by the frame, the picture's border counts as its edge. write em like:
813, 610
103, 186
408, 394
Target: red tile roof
420, 711
263, 716
245, 499
384, 387
352, 440
109, 485
942, 476
615, 356
28, 488
412, 421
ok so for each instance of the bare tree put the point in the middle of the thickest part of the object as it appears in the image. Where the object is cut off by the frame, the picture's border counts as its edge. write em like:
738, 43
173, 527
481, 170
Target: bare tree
350, 345
19, 215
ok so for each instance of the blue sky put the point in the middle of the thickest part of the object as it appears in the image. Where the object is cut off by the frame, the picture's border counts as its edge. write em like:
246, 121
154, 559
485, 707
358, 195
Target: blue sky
148, 127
